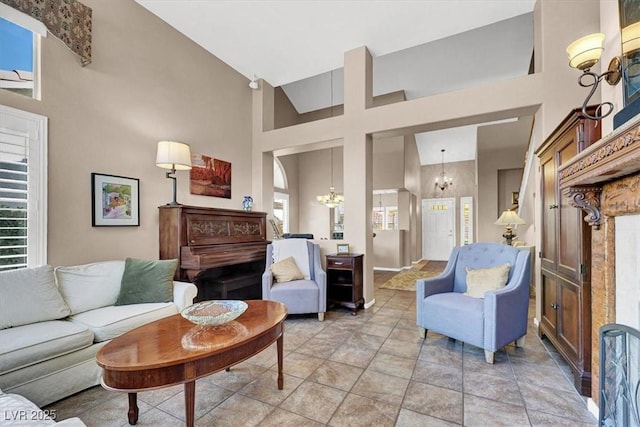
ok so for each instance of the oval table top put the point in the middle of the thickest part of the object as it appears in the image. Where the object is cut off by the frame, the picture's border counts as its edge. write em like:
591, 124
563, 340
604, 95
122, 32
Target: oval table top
175, 340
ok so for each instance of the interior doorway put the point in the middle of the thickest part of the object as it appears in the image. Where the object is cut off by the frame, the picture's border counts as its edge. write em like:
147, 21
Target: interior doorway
438, 228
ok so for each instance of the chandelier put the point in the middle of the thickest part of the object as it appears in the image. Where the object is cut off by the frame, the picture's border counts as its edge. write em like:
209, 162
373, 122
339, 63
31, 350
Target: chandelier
442, 182
331, 200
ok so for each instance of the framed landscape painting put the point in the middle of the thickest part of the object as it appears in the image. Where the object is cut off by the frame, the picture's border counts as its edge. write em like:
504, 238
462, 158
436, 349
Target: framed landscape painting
209, 176
115, 201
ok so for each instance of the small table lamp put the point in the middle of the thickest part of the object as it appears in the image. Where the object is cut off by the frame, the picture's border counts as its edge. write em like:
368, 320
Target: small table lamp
509, 219
175, 156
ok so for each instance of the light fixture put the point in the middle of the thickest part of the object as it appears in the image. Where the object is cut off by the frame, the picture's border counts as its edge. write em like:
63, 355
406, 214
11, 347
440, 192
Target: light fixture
442, 182
584, 53
630, 39
509, 219
331, 200
173, 155
253, 84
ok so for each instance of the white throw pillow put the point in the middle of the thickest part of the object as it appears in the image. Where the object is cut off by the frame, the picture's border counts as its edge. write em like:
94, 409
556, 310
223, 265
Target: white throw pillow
30, 295
486, 279
90, 286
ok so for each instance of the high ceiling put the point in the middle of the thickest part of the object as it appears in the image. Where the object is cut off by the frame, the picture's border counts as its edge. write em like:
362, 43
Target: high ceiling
422, 47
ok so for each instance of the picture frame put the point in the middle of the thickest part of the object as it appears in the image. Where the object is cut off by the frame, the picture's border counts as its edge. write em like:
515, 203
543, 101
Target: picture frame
342, 248
515, 196
115, 201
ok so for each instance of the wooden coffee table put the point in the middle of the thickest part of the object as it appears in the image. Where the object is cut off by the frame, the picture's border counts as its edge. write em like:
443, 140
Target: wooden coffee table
173, 351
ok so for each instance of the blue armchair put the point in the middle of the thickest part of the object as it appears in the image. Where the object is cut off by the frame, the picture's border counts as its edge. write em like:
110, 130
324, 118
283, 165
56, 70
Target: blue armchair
300, 296
490, 322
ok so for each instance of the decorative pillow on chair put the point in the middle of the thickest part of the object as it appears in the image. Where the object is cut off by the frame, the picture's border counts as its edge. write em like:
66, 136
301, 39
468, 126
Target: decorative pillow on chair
486, 279
147, 281
286, 270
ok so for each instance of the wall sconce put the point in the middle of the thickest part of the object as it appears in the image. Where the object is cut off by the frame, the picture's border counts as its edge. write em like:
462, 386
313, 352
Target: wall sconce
174, 156
443, 182
584, 53
509, 219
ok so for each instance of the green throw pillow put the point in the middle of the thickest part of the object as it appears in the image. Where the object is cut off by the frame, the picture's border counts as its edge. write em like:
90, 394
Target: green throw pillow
147, 281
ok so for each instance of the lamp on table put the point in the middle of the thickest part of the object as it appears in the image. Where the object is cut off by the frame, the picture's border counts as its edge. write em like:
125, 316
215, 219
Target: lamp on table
509, 219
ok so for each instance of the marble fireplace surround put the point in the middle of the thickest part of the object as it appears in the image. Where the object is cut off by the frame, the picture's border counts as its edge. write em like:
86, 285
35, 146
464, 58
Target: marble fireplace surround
604, 181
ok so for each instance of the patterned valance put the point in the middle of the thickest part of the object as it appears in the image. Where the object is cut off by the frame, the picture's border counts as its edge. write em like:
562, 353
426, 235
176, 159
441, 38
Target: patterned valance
68, 20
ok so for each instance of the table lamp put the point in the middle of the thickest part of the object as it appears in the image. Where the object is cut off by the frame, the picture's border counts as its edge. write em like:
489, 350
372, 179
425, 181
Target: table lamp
509, 219
173, 155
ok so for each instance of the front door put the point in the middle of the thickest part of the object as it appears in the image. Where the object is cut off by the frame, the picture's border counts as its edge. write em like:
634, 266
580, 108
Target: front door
438, 228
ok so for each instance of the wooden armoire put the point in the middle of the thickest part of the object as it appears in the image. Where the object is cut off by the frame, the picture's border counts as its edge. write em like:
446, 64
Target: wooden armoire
565, 251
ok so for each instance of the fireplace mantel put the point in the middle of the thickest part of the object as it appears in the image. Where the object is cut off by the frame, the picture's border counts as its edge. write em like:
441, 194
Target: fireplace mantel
614, 156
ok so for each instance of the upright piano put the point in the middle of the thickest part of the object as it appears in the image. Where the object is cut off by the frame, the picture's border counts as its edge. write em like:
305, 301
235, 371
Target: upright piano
220, 250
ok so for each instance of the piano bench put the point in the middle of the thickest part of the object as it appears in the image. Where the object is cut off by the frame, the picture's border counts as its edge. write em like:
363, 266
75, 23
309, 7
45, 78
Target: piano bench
220, 287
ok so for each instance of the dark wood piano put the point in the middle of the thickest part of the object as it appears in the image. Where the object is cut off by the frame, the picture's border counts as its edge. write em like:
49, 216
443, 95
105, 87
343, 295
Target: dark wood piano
222, 251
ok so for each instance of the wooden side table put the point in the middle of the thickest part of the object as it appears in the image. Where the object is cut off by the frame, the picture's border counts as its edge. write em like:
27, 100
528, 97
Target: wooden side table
344, 280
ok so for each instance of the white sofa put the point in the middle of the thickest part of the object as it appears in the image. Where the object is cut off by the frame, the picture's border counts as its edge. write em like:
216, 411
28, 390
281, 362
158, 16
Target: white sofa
16, 410
53, 322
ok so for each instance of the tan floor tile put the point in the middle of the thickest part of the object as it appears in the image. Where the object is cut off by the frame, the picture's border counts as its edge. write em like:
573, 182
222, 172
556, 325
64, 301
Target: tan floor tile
336, 375
381, 387
314, 401
555, 402
237, 377
236, 411
408, 418
366, 341
300, 365
319, 347
78, 403
361, 411
353, 355
157, 418
484, 412
401, 348
439, 375
501, 389
393, 365
376, 329
281, 418
384, 320
265, 388
540, 419
113, 412
208, 396
434, 401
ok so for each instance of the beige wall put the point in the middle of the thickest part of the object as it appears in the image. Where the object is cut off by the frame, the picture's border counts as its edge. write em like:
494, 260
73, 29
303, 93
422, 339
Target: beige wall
508, 182
147, 82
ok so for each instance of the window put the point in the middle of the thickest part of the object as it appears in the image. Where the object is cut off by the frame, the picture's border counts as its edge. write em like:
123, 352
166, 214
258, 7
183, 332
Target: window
281, 210
23, 173
385, 218
20, 52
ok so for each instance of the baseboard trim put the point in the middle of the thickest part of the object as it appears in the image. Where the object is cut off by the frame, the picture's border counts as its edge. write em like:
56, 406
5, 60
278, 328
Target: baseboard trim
387, 269
369, 304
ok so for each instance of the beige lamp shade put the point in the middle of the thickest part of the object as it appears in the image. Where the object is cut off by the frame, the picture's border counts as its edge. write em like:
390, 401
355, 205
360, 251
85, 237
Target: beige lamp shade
509, 219
631, 38
585, 52
173, 155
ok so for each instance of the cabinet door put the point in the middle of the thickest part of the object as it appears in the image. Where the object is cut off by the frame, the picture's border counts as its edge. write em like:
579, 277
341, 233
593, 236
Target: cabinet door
549, 303
569, 319
549, 209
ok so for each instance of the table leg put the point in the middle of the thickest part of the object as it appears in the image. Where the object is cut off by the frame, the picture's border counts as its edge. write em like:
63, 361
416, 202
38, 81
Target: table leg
280, 348
133, 408
190, 402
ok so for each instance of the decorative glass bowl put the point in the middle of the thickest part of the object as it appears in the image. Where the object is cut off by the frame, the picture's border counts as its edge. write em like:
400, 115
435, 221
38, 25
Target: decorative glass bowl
212, 313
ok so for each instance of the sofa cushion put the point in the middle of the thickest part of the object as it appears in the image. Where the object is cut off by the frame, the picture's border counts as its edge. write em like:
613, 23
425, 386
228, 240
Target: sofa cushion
30, 295
34, 343
109, 322
89, 286
146, 281
483, 280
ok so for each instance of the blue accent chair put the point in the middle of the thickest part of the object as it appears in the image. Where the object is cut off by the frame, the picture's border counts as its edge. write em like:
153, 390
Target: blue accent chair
490, 322
300, 296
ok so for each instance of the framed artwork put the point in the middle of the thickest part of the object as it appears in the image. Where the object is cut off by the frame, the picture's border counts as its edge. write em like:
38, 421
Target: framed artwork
115, 201
514, 197
342, 248
209, 176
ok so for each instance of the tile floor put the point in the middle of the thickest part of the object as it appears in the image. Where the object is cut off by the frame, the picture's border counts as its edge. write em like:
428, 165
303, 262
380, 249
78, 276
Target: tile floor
366, 370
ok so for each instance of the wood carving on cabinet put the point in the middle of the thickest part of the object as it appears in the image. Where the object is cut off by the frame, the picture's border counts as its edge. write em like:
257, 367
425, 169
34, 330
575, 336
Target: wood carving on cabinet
220, 250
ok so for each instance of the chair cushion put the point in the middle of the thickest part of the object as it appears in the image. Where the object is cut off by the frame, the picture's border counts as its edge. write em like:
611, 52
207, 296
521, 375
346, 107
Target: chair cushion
109, 322
455, 315
286, 270
300, 296
34, 343
146, 281
482, 280
296, 248
90, 286
30, 295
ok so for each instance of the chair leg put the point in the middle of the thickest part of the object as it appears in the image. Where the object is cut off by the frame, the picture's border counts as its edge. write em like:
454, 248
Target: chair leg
321, 317
488, 356
520, 341
423, 332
